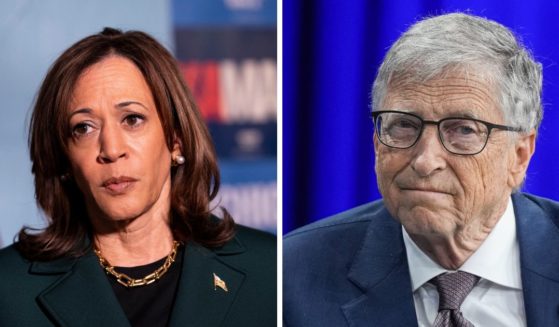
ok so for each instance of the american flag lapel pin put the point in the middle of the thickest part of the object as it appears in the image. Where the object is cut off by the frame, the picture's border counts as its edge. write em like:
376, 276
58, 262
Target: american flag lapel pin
218, 282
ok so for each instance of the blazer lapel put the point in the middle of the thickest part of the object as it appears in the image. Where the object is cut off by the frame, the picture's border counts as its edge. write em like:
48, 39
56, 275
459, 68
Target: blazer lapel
202, 300
82, 296
538, 239
380, 270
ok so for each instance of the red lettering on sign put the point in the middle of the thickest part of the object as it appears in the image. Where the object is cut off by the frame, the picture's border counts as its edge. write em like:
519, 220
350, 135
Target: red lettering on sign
203, 80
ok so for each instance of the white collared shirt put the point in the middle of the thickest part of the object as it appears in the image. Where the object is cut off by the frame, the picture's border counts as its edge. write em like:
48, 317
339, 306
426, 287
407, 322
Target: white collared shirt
496, 300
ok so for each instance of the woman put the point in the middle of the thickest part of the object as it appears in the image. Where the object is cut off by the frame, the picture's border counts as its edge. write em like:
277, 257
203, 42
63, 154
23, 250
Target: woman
124, 171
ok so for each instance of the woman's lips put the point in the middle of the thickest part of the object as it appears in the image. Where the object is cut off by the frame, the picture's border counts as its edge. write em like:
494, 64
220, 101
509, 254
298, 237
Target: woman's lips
119, 185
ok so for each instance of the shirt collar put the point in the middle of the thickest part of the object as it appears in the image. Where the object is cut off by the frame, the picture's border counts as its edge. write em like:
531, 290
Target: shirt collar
496, 260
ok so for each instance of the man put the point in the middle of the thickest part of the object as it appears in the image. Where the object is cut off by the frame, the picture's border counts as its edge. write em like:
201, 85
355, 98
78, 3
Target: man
456, 108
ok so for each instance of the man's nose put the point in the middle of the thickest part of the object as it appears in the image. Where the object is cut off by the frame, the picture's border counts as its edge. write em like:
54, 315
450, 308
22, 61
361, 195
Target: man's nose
429, 154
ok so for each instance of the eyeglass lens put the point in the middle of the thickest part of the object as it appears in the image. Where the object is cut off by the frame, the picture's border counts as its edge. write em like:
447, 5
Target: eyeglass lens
458, 135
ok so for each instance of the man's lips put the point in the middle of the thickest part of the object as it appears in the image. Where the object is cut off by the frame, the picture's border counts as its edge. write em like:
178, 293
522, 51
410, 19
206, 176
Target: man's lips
118, 185
425, 189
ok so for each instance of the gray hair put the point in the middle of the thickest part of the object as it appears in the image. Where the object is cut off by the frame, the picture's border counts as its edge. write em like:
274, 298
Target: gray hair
466, 43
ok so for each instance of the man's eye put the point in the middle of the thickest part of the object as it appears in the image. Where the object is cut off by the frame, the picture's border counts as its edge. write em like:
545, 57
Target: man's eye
404, 123
465, 130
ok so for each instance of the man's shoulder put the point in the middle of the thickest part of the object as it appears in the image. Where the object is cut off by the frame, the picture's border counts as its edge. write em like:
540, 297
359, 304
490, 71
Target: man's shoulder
324, 257
526, 203
545, 204
343, 233
351, 220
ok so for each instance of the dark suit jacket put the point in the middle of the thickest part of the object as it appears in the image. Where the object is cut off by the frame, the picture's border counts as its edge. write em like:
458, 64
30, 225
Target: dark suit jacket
76, 292
352, 270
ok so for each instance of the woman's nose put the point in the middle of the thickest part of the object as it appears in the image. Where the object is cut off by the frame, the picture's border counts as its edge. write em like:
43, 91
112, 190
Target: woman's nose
112, 145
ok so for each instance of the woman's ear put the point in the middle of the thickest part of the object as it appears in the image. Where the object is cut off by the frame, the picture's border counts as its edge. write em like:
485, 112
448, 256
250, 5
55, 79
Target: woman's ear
177, 155
177, 145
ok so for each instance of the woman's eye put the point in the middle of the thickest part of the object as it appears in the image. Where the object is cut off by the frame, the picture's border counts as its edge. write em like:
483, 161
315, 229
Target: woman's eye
81, 129
133, 120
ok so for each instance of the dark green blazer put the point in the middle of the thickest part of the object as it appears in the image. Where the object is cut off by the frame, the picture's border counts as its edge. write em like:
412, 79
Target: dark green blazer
76, 292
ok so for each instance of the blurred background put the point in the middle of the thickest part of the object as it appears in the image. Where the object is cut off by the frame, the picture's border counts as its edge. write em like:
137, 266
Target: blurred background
227, 53
331, 51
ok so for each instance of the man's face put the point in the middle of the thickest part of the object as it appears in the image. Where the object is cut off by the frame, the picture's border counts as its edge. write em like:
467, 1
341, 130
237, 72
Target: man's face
433, 192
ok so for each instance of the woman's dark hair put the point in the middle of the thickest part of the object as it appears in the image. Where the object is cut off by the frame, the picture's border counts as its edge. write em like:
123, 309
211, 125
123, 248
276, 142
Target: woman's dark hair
194, 184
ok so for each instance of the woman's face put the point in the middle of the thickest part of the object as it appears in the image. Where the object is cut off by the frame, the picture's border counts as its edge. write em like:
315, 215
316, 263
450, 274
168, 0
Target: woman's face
117, 149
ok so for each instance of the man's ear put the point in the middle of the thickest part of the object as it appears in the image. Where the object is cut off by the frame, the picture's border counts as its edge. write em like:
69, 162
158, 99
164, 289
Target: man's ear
376, 143
524, 148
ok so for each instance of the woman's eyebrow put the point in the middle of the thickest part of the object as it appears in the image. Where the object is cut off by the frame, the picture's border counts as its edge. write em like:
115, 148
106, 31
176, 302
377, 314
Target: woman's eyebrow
81, 111
127, 103
119, 106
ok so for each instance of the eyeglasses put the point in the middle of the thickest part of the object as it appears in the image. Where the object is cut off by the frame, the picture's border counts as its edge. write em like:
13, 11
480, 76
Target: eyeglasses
463, 136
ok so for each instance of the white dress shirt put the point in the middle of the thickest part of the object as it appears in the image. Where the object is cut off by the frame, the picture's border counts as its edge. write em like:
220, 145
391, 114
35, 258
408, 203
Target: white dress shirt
496, 300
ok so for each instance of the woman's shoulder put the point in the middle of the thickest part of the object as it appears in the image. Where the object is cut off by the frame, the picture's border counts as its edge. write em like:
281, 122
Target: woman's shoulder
18, 269
254, 237
250, 247
23, 280
12, 261
249, 243
245, 267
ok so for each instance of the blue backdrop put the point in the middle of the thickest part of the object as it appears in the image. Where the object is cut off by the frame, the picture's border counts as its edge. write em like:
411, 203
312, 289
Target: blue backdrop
331, 51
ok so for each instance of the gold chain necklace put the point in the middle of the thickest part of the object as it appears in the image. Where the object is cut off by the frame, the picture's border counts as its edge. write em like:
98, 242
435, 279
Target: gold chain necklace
131, 282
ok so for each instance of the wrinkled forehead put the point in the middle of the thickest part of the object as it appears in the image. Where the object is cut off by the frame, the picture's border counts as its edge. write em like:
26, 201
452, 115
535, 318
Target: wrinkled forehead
459, 92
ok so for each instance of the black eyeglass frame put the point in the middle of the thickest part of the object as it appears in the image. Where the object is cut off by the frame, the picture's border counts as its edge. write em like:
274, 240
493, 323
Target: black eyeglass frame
490, 126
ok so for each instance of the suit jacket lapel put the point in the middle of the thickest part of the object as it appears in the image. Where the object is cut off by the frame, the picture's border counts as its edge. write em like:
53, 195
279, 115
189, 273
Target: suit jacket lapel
380, 270
199, 301
82, 296
538, 239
